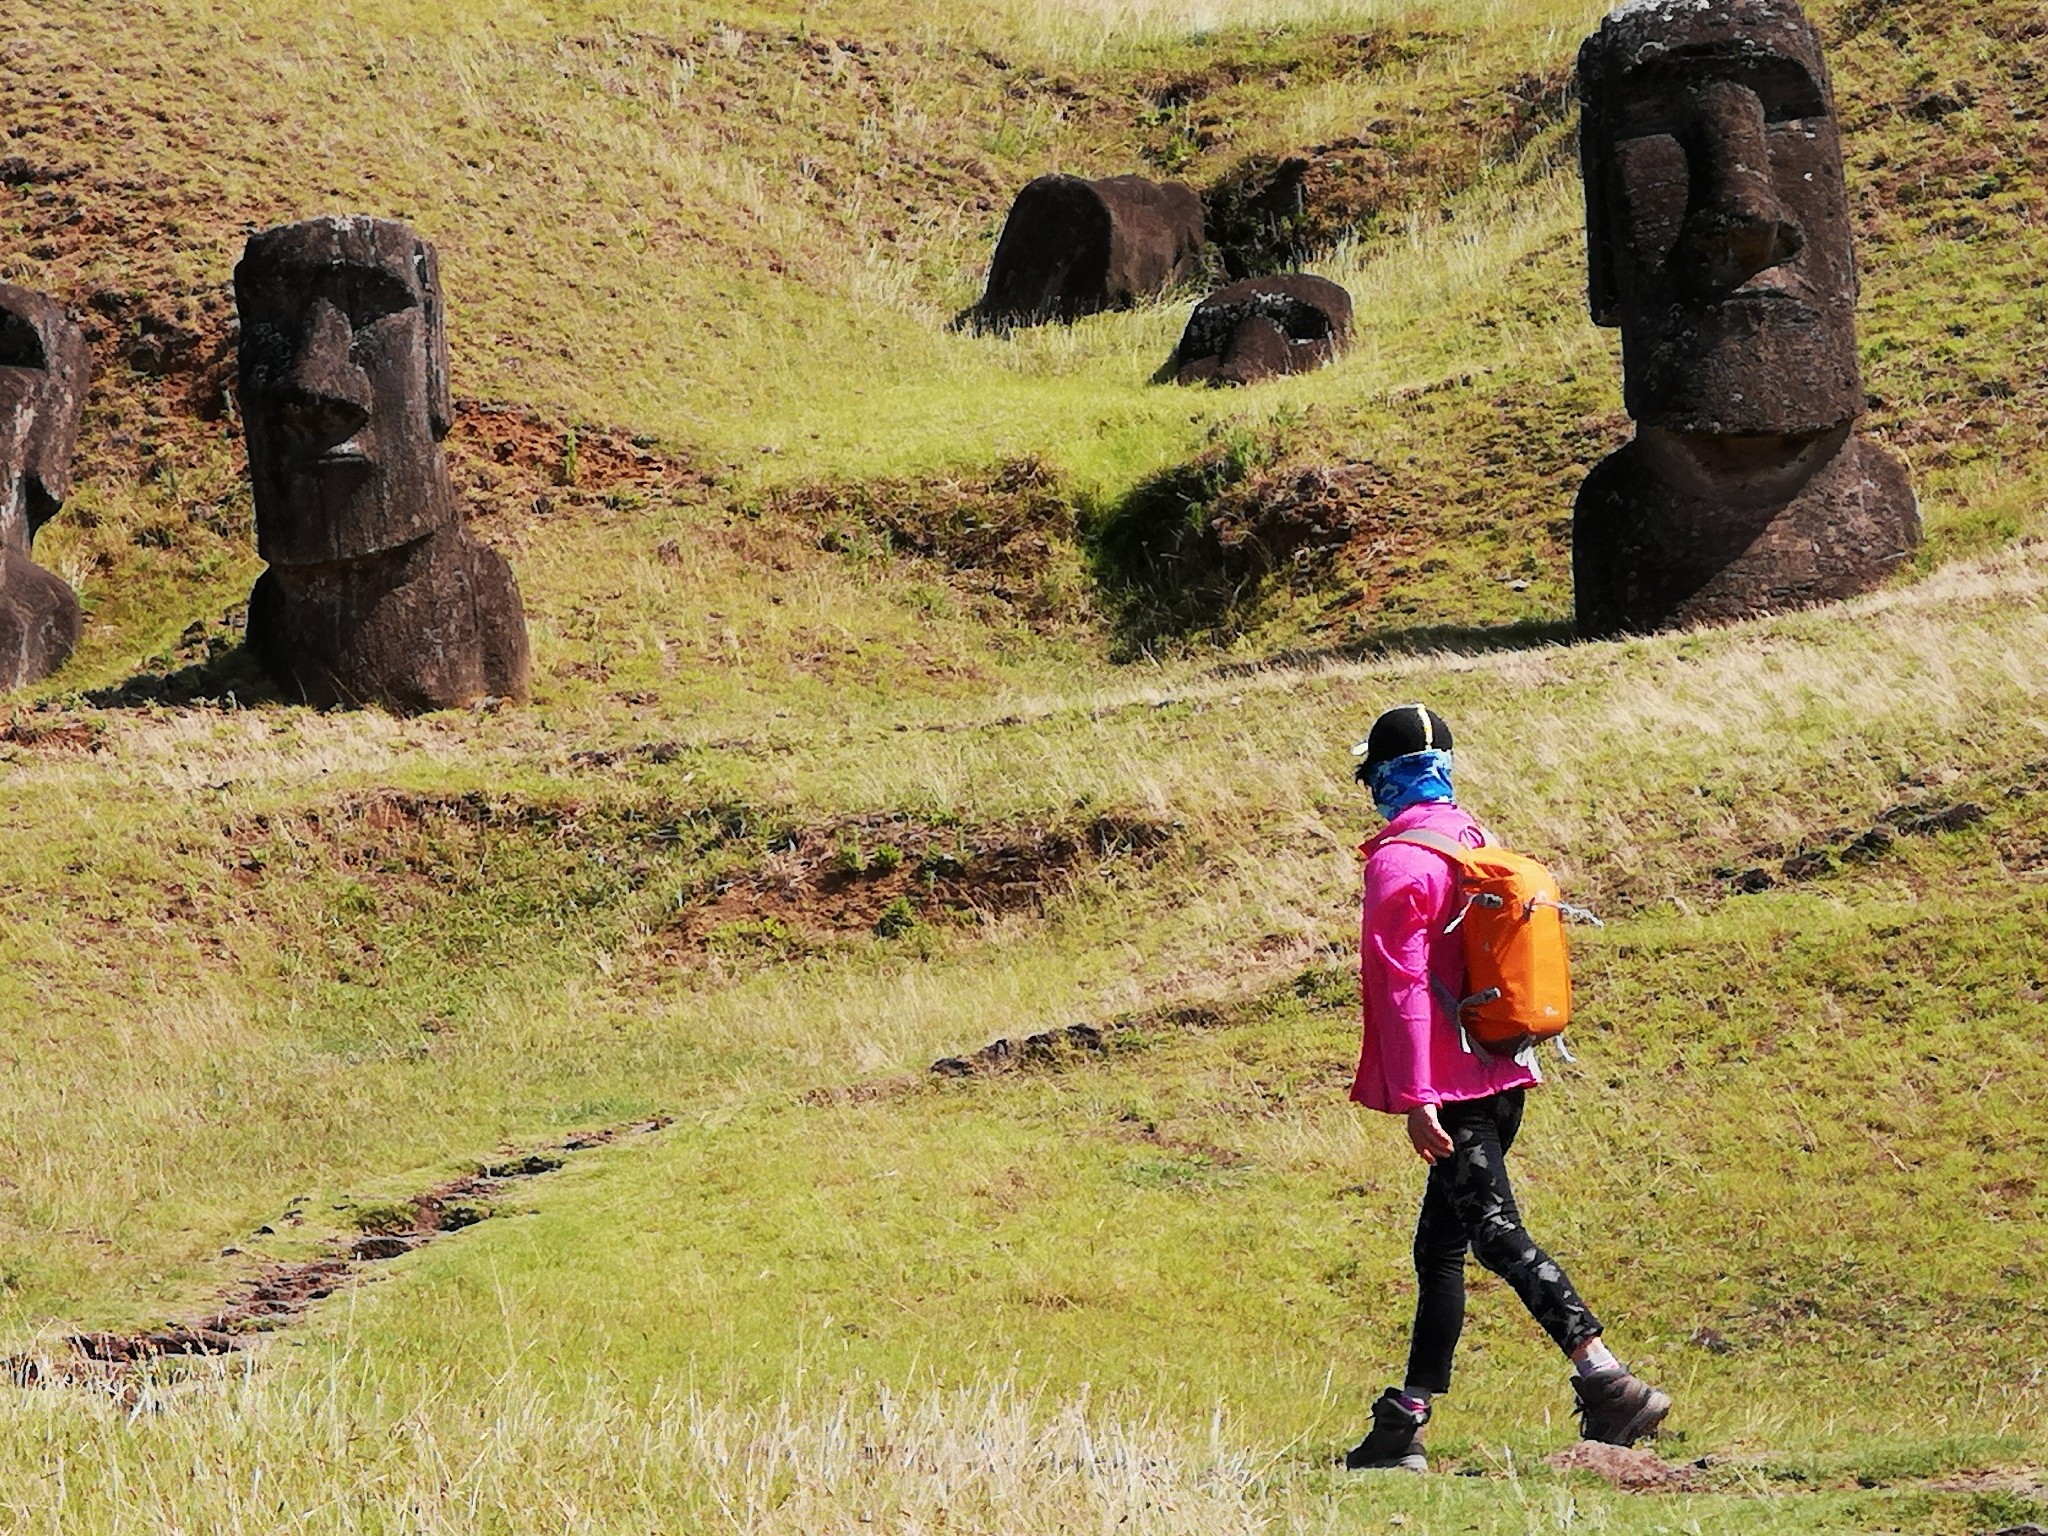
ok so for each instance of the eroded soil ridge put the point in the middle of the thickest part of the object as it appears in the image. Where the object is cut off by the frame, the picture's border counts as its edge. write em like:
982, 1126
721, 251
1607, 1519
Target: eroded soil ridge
281, 1293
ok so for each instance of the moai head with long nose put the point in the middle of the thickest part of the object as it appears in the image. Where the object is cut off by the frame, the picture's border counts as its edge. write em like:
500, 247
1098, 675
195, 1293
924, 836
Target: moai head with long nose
1717, 222
344, 384
43, 375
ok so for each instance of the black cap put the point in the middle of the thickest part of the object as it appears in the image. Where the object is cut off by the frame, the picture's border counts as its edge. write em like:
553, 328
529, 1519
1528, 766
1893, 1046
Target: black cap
1409, 728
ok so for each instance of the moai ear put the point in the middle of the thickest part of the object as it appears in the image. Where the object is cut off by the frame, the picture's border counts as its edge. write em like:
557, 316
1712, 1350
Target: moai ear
45, 337
440, 405
1595, 168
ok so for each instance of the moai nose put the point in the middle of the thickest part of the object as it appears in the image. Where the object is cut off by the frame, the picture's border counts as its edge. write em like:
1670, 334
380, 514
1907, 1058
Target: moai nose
1735, 226
326, 397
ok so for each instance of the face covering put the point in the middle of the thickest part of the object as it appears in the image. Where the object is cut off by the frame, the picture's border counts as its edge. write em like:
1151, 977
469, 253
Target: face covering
1419, 777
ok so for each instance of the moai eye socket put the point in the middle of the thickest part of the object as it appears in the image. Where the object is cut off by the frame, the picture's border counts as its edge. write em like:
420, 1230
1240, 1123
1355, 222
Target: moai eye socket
1657, 99
369, 294
21, 344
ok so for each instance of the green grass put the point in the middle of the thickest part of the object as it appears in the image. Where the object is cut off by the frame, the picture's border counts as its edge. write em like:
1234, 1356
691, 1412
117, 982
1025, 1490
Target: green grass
862, 610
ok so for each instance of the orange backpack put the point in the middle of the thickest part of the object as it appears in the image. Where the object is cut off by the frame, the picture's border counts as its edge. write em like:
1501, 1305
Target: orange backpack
1518, 976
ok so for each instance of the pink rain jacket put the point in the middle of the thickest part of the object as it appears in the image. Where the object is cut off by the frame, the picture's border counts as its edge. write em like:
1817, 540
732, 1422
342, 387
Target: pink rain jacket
1412, 1052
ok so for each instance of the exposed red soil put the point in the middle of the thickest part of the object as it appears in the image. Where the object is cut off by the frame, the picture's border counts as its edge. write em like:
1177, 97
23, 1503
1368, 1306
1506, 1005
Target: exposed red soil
1634, 1470
518, 465
282, 1292
842, 879
999, 532
52, 732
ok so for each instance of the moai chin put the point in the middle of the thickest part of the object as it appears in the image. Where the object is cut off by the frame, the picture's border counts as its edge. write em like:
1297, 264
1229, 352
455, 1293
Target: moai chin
376, 592
43, 375
1718, 240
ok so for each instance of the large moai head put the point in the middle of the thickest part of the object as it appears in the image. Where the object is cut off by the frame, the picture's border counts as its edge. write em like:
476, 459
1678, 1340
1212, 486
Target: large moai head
344, 384
43, 375
1717, 222
1072, 247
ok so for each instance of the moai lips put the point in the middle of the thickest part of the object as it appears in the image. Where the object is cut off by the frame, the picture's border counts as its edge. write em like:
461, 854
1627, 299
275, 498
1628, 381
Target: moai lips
1718, 240
1072, 247
376, 592
43, 375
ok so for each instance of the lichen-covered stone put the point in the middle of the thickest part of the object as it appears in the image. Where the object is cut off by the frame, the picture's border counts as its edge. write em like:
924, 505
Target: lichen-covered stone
428, 625
1263, 327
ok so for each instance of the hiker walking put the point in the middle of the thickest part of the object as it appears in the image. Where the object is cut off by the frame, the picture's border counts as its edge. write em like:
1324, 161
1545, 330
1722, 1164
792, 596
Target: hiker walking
1421, 1057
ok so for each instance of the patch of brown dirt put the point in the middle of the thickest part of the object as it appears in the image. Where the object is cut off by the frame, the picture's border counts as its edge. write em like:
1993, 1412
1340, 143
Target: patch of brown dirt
1773, 864
1006, 533
394, 831
851, 877
52, 732
518, 465
282, 1292
1270, 212
1635, 1470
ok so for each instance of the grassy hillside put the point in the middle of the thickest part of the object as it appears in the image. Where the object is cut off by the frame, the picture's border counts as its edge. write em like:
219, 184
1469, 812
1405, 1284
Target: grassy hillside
864, 736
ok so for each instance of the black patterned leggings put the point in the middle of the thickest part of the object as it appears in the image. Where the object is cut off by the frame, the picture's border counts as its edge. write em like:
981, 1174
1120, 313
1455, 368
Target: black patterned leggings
1468, 1204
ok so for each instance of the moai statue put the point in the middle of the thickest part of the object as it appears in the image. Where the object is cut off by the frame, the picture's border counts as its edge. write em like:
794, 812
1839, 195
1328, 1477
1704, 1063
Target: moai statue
1262, 327
1072, 247
43, 375
1717, 232
376, 592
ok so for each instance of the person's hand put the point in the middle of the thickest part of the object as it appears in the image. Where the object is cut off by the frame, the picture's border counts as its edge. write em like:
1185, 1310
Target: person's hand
1427, 1135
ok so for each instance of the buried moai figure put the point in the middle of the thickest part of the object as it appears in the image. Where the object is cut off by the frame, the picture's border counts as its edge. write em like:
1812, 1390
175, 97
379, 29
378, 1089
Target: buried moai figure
376, 592
43, 374
1262, 327
1717, 229
1071, 247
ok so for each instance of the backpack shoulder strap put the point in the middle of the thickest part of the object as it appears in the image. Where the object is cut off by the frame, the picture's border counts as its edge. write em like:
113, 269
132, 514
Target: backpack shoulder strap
1435, 842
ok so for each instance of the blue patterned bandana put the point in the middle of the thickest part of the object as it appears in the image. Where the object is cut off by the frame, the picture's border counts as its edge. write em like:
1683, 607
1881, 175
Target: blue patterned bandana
1419, 777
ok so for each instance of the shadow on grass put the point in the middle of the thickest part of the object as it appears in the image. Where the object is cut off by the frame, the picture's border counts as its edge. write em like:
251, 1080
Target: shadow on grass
231, 679
1172, 562
1420, 640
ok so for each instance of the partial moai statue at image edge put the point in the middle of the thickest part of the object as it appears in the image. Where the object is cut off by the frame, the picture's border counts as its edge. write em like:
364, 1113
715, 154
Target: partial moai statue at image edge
376, 592
44, 370
1718, 240
1262, 327
1072, 247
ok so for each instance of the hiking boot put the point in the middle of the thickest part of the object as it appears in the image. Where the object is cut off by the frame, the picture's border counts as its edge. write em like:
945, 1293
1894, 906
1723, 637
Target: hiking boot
1616, 1408
1395, 1441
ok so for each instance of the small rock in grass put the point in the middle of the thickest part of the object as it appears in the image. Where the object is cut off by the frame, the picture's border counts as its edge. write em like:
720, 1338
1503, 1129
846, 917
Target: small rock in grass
1804, 866
1951, 819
